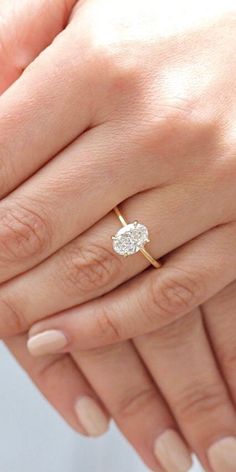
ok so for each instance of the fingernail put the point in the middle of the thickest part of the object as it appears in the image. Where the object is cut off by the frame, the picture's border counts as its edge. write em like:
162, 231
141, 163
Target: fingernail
172, 452
48, 342
91, 416
222, 455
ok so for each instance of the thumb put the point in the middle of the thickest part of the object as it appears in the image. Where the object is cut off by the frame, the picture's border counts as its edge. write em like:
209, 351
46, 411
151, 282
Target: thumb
26, 28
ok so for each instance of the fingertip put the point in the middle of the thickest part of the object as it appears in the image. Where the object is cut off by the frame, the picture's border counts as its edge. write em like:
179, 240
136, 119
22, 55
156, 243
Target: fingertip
46, 342
91, 416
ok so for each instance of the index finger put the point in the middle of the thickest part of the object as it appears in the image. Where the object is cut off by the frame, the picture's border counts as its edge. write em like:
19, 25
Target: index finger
44, 110
26, 28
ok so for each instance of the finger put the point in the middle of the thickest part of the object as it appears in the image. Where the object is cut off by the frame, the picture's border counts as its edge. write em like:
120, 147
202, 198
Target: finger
43, 9
41, 113
55, 375
152, 300
219, 317
87, 267
33, 216
117, 161
26, 28
122, 382
181, 361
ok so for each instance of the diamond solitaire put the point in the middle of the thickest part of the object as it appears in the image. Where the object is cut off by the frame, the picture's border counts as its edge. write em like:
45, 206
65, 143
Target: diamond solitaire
130, 239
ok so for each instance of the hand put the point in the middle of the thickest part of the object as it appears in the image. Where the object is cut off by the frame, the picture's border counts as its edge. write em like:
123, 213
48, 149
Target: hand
192, 384
26, 29
79, 403
193, 363
158, 140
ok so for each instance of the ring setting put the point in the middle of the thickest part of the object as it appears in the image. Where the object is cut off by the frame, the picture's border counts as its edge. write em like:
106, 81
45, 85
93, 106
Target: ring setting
131, 239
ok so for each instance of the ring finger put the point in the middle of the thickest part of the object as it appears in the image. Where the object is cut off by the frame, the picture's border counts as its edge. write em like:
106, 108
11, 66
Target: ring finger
87, 267
190, 276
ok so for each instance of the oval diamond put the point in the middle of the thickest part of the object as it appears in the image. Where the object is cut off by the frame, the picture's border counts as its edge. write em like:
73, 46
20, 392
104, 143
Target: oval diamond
130, 239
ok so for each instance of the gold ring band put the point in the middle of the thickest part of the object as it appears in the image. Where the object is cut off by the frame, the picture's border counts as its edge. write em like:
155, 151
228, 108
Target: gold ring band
131, 239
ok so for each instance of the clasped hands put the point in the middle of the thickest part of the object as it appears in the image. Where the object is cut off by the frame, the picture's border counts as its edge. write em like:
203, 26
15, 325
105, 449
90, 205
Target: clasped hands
129, 104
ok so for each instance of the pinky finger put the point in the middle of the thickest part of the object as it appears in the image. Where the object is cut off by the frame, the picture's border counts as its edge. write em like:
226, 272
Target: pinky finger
64, 386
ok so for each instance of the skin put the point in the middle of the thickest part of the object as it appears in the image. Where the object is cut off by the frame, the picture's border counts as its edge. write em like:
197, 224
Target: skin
25, 30
56, 374
177, 154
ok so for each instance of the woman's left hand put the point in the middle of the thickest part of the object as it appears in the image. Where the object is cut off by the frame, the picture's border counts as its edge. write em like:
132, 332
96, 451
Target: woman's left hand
197, 394
149, 106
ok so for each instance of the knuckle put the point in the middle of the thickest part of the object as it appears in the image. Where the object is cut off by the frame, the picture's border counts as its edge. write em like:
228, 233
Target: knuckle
200, 401
106, 328
88, 268
179, 122
135, 400
179, 332
172, 118
176, 111
102, 355
174, 293
23, 233
12, 318
51, 367
118, 63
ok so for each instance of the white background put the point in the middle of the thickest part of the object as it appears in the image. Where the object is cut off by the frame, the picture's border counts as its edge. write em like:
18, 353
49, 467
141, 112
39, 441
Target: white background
33, 438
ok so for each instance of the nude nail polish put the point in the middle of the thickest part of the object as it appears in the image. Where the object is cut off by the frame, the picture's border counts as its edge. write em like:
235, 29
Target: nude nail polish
172, 452
47, 342
91, 416
222, 455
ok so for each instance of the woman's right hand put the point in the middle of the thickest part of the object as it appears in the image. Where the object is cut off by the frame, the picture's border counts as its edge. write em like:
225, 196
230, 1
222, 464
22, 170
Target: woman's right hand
179, 385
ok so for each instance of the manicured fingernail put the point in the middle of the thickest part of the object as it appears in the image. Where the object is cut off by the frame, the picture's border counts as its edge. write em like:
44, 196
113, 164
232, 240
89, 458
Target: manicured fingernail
172, 452
91, 416
222, 455
48, 342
